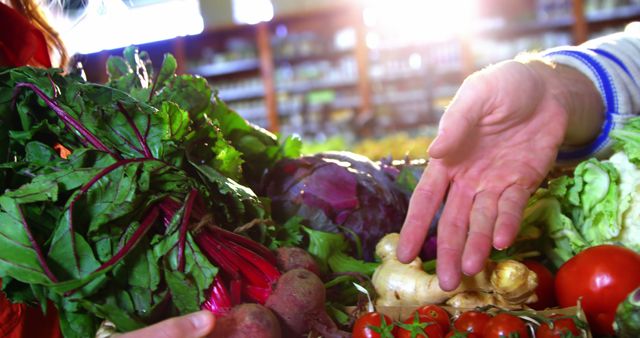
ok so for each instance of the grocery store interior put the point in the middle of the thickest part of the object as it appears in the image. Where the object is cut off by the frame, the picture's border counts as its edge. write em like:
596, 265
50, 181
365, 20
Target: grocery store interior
371, 76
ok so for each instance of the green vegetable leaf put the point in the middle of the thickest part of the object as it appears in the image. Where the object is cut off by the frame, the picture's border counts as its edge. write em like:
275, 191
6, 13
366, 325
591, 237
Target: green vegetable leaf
323, 245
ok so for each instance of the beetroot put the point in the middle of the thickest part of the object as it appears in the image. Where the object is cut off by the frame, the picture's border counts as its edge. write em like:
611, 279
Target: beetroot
298, 301
248, 320
289, 258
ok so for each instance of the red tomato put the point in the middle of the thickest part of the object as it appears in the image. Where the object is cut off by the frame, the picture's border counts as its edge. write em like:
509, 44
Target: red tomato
419, 326
471, 321
603, 276
370, 325
505, 325
561, 328
545, 289
461, 334
435, 312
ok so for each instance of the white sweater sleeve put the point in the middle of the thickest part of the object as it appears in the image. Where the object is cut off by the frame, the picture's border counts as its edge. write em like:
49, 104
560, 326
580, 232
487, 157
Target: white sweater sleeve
613, 64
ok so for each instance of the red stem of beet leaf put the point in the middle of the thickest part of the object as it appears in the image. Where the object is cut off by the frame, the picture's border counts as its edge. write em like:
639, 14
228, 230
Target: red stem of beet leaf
146, 224
245, 269
183, 227
246, 242
36, 247
86, 188
218, 302
67, 119
143, 142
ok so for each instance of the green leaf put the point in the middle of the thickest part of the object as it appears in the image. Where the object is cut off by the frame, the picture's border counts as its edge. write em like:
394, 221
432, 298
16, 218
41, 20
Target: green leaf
18, 257
77, 324
167, 70
323, 245
185, 293
287, 234
176, 119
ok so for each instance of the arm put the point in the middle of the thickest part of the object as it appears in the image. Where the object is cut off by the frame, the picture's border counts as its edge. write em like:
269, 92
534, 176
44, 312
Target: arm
496, 143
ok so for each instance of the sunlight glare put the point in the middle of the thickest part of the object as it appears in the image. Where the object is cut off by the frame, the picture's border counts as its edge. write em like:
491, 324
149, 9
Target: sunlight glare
420, 20
110, 24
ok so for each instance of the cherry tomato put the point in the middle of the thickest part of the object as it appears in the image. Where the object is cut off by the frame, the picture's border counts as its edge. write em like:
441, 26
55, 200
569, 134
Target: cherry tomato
471, 321
419, 326
370, 325
461, 334
545, 289
603, 276
560, 328
437, 313
505, 325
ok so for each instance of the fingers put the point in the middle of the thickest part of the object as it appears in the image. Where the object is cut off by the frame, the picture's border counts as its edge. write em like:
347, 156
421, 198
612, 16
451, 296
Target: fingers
424, 203
510, 208
194, 325
458, 121
480, 237
452, 234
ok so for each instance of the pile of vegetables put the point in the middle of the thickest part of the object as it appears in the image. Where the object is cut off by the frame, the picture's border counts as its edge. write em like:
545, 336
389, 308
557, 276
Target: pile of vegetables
433, 321
147, 198
122, 202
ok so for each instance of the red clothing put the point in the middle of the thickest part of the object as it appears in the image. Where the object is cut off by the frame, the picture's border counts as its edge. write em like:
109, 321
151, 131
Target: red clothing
23, 44
21, 321
20, 42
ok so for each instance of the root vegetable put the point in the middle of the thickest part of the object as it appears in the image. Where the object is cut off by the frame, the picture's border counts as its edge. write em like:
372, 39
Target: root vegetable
298, 301
508, 282
248, 320
289, 258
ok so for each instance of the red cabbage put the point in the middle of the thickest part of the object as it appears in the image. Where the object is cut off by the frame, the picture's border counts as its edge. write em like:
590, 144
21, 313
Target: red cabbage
338, 192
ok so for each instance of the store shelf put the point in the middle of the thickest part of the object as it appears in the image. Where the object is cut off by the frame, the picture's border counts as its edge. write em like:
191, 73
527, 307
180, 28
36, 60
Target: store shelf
332, 55
229, 95
531, 27
619, 14
308, 86
272, 74
226, 68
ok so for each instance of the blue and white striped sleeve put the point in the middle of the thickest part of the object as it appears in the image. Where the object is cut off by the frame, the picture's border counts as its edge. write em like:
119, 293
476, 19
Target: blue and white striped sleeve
613, 64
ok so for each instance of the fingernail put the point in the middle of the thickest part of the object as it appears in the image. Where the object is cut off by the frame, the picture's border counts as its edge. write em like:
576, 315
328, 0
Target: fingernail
499, 247
200, 320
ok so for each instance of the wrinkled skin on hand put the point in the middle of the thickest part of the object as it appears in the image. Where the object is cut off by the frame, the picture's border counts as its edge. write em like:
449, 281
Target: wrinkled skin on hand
496, 143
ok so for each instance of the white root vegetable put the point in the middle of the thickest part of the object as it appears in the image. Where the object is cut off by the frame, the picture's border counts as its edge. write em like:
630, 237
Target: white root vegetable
505, 283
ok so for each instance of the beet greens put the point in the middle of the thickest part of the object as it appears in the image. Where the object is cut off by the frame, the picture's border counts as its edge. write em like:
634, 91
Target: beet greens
129, 226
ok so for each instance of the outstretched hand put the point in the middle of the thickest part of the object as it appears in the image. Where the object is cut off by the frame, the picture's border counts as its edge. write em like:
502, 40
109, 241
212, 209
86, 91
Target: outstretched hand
496, 143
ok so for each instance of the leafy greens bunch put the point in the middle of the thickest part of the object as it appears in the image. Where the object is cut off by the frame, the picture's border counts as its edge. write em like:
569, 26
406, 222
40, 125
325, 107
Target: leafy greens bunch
129, 225
598, 204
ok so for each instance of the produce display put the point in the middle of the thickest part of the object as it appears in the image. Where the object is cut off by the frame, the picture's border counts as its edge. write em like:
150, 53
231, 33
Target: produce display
147, 197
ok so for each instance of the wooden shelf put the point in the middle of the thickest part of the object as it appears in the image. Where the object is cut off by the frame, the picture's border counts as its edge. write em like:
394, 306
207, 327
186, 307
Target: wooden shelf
226, 68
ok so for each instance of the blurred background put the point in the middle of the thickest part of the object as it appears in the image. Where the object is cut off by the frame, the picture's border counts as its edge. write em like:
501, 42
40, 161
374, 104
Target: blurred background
371, 76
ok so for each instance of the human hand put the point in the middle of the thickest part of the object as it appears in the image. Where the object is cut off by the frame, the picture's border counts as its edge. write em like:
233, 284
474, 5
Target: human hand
496, 143
194, 325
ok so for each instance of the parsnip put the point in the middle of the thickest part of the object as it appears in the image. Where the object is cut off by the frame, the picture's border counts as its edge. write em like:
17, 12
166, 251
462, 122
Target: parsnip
506, 283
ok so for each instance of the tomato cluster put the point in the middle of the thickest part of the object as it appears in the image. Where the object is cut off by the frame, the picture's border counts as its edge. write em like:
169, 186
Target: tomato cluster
432, 321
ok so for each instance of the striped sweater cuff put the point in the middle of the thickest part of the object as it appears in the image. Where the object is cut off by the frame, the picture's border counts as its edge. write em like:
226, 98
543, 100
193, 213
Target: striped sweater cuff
586, 60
